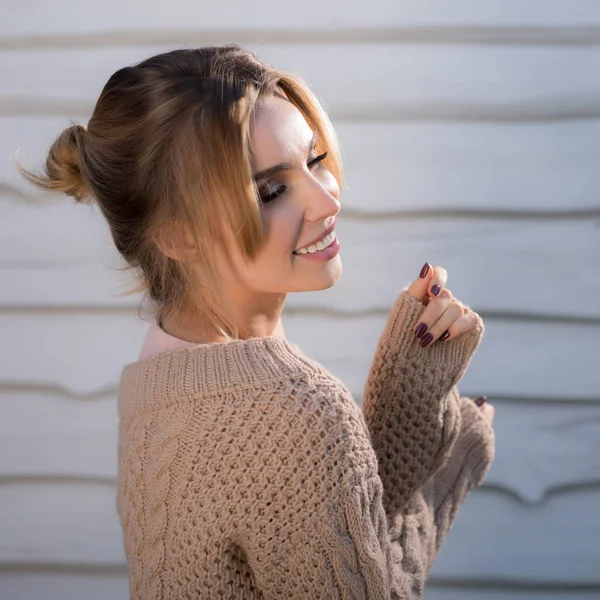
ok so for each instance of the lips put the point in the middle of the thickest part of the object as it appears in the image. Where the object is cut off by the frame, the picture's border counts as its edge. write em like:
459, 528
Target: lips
318, 239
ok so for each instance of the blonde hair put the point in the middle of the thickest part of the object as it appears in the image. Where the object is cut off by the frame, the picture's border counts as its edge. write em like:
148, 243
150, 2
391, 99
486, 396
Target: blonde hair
168, 148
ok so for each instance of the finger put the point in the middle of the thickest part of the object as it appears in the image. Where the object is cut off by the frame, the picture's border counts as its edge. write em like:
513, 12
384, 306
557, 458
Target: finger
418, 288
452, 313
435, 309
467, 322
438, 281
488, 411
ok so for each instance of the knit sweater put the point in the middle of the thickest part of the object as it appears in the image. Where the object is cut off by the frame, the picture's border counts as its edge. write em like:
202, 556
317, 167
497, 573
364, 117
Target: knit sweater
247, 470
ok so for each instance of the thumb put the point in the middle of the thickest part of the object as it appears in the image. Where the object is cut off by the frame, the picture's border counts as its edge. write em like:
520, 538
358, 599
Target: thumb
418, 288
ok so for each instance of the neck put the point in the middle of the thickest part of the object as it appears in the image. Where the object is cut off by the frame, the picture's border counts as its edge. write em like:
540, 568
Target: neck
253, 320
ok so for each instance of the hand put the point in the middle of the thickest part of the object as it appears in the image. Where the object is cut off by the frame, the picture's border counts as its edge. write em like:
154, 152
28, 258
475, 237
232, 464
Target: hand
445, 316
487, 409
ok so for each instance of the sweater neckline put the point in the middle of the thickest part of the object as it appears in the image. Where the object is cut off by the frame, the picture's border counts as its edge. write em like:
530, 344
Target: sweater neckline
209, 370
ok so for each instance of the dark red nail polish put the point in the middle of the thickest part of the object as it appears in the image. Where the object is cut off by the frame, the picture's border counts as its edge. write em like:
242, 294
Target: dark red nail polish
435, 290
426, 340
445, 335
480, 400
421, 329
424, 270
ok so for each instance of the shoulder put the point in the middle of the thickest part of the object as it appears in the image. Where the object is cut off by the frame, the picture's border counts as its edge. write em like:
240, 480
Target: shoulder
320, 418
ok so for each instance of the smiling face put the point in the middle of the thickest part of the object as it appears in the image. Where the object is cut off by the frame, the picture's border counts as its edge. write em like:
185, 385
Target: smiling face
300, 200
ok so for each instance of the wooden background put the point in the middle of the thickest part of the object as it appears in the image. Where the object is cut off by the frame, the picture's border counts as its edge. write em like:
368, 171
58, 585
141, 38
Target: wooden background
470, 133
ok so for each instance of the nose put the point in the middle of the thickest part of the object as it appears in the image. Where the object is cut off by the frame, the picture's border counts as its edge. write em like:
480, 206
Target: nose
322, 197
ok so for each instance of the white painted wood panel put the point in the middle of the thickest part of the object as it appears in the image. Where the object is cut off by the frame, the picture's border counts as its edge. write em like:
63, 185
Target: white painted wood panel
489, 115
495, 592
516, 266
77, 18
397, 168
429, 82
91, 586
79, 353
44, 434
57, 522
61, 585
544, 448
82, 352
540, 447
495, 536
526, 167
517, 359
520, 266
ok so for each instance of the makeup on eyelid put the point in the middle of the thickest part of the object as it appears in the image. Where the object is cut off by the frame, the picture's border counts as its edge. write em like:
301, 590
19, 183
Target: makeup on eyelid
280, 191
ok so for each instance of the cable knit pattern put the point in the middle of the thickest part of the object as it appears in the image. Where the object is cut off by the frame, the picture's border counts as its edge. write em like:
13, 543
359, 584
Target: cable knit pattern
247, 470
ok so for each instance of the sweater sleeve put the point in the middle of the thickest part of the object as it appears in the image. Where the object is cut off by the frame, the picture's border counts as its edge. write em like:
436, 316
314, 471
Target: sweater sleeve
322, 532
465, 467
411, 403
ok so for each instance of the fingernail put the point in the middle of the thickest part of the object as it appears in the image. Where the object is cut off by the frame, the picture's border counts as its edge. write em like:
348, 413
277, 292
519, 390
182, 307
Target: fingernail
424, 270
445, 335
480, 400
435, 290
421, 329
426, 339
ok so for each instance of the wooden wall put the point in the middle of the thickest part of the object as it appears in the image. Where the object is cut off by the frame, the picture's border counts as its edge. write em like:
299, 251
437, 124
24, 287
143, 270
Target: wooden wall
471, 137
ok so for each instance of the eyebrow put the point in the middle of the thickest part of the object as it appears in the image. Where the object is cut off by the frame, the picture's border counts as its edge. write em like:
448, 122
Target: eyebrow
265, 173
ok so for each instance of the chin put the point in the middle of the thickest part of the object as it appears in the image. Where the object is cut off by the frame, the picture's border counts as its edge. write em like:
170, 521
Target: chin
324, 280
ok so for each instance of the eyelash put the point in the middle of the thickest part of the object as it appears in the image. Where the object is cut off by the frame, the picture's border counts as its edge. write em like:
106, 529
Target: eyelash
279, 192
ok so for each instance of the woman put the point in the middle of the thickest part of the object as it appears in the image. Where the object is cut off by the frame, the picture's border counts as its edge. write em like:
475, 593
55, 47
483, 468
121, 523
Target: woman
247, 470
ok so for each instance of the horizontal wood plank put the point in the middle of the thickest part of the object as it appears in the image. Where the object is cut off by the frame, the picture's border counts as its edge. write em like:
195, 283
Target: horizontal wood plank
73, 262
517, 359
56, 522
48, 435
404, 168
540, 447
83, 352
184, 15
61, 585
438, 82
544, 448
494, 538
496, 592
486, 260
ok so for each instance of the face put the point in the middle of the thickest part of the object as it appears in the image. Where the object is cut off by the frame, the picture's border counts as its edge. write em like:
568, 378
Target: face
300, 204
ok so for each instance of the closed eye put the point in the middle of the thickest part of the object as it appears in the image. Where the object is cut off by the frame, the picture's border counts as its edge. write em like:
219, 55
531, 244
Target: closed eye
317, 160
281, 189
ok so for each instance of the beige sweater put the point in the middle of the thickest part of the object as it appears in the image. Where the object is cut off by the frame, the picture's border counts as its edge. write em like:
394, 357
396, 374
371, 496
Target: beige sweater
247, 470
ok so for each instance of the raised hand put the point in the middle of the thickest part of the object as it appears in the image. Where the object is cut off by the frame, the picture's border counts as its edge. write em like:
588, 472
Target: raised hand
445, 316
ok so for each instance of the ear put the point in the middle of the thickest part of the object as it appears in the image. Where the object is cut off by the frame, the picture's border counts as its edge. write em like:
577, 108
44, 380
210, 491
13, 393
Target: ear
175, 241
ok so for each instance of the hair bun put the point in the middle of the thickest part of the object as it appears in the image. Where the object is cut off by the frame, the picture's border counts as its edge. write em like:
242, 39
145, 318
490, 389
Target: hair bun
64, 165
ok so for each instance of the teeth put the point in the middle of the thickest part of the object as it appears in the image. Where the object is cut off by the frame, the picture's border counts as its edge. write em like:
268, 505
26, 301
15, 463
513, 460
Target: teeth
324, 243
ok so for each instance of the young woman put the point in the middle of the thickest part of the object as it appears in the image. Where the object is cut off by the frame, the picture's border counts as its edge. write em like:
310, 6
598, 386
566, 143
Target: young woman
247, 470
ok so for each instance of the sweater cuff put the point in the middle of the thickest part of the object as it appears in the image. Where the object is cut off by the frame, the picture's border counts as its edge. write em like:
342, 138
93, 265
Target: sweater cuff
475, 446
446, 361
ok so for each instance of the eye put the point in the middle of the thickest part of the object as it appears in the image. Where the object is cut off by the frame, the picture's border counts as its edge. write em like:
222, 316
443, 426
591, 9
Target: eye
276, 193
315, 161
273, 195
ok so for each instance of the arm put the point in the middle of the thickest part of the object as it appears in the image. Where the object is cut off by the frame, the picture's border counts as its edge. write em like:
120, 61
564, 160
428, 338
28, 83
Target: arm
465, 468
411, 403
318, 528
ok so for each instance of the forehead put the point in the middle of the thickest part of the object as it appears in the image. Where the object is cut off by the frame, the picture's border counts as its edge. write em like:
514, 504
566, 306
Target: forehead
278, 132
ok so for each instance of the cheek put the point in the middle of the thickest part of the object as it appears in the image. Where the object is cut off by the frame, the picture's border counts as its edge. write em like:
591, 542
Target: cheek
282, 226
